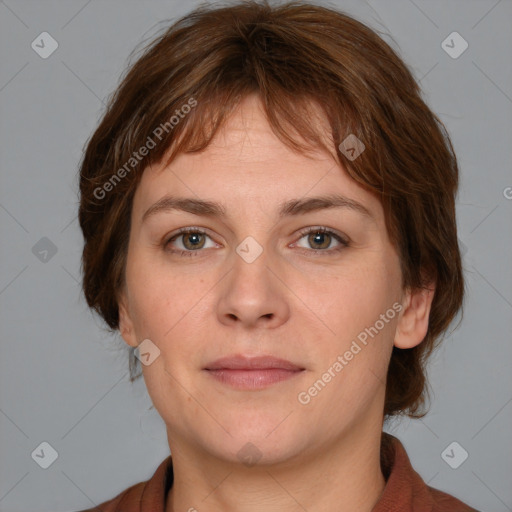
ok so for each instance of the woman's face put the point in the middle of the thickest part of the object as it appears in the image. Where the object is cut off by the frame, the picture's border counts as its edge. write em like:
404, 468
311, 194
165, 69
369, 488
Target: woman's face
257, 284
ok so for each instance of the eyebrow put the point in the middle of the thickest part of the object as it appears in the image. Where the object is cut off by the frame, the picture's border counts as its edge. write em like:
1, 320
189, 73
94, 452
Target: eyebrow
286, 209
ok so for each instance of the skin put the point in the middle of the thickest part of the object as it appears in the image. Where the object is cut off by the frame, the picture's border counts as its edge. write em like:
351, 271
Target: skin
289, 302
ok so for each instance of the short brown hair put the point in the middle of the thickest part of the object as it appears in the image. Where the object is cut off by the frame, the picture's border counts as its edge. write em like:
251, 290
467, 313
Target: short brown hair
294, 55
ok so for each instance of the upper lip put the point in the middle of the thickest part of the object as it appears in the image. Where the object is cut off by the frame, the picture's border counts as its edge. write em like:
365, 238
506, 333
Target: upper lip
241, 362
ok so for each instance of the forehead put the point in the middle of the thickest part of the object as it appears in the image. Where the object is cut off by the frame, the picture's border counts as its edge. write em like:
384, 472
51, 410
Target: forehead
247, 163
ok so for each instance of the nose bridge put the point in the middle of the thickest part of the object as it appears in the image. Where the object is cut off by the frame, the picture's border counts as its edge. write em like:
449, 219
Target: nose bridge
251, 293
250, 271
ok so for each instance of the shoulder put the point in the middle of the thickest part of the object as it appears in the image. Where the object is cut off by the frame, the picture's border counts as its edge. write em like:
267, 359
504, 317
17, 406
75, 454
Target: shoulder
443, 502
147, 496
405, 490
126, 497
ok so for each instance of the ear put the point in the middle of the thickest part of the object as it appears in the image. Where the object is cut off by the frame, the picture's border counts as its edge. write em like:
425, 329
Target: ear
413, 324
126, 328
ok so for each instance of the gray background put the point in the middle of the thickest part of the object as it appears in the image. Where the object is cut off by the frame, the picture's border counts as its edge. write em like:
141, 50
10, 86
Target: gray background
64, 379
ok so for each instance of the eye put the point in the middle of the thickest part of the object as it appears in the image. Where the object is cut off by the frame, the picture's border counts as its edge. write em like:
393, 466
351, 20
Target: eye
191, 240
320, 239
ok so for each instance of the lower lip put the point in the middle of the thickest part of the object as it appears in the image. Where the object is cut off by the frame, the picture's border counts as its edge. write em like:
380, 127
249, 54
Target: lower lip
252, 379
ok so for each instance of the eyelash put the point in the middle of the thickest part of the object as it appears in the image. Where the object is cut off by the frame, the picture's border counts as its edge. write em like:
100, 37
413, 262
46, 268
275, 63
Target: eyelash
306, 231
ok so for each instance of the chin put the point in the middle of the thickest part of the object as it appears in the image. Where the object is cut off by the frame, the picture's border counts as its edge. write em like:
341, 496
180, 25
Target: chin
259, 444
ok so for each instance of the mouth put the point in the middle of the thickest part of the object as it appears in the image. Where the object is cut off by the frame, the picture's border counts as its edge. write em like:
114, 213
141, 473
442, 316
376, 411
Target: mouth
252, 373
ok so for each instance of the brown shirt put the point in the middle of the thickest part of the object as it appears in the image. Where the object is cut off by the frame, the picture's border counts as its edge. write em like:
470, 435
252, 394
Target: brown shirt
405, 491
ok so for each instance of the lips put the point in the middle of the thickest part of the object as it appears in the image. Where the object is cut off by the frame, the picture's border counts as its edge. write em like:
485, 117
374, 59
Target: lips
252, 373
241, 362
245, 373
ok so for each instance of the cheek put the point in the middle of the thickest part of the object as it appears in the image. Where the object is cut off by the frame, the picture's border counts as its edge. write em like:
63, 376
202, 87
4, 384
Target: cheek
172, 316
355, 300
357, 307
161, 297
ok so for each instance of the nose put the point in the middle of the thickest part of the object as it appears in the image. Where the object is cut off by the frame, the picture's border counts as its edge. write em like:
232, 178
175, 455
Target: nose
253, 294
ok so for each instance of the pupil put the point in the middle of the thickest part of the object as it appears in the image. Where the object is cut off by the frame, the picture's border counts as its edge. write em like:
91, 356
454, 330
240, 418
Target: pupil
319, 239
193, 240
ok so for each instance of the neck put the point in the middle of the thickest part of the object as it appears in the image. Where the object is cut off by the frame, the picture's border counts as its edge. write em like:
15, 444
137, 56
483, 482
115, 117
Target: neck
344, 476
